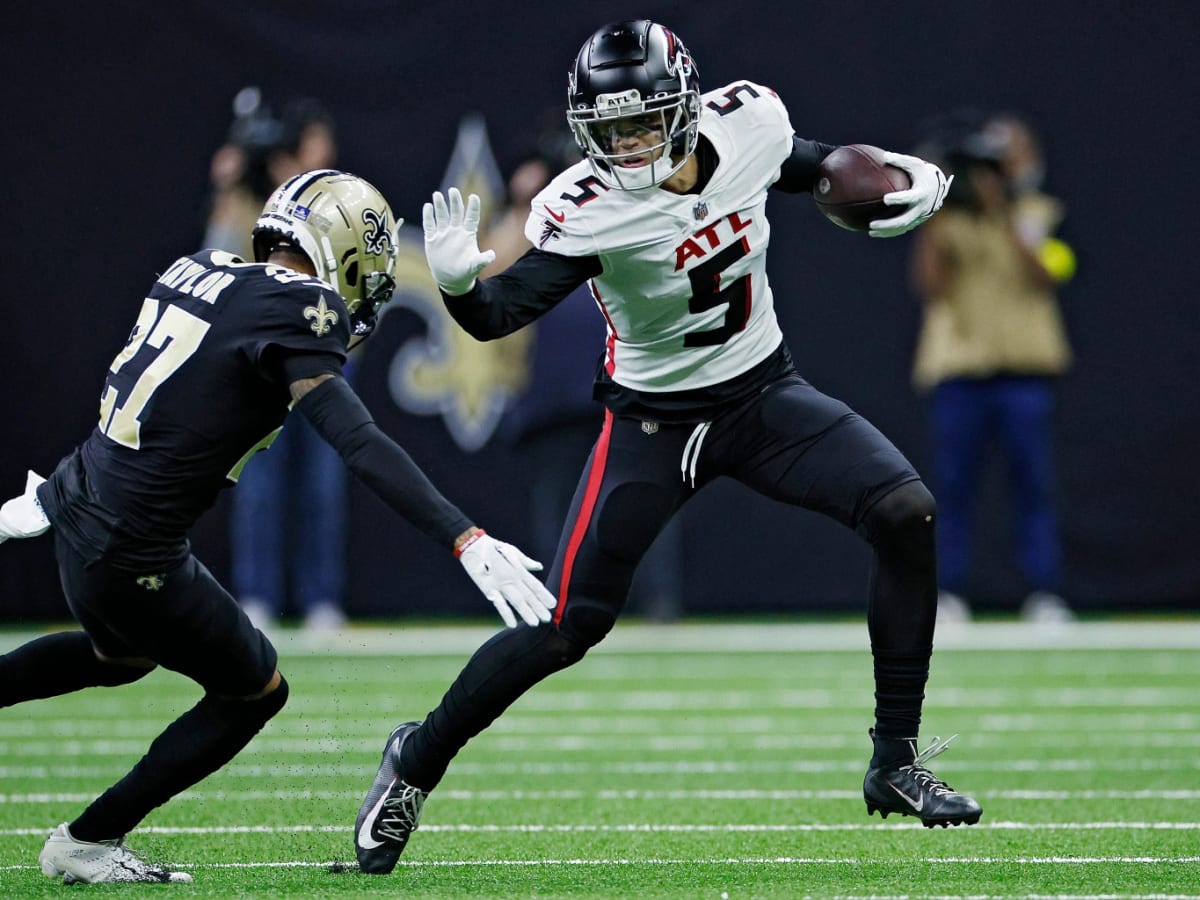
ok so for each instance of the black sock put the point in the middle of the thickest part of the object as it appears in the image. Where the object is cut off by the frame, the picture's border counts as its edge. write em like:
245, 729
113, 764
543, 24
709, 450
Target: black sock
902, 609
893, 751
501, 671
57, 664
193, 746
899, 692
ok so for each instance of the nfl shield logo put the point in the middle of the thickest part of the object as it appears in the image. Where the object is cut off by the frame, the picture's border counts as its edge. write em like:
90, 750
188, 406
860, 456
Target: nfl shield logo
700, 211
650, 427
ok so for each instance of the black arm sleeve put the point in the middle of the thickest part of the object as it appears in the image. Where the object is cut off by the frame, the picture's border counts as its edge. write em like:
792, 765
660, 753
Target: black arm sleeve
289, 367
339, 416
799, 171
529, 288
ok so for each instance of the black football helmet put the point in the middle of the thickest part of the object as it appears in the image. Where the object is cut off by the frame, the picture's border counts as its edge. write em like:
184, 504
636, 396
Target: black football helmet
634, 77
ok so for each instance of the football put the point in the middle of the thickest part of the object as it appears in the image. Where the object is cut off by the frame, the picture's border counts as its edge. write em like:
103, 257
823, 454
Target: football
851, 185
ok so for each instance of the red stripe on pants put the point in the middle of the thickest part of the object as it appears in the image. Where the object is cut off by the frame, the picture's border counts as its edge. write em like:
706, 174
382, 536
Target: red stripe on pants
595, 477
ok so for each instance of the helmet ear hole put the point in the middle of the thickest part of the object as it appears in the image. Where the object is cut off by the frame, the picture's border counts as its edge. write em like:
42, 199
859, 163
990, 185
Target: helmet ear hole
261, 239
352, 274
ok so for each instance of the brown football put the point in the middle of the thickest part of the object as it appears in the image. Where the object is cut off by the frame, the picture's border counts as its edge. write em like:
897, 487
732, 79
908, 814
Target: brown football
851, 185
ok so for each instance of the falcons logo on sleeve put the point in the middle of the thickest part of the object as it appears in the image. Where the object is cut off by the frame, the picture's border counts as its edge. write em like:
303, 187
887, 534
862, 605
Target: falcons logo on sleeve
550, 232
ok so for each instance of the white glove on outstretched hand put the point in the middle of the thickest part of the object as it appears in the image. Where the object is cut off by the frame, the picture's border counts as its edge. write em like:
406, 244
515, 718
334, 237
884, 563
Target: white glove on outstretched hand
923, 199
451, 247
502, 572
22, 517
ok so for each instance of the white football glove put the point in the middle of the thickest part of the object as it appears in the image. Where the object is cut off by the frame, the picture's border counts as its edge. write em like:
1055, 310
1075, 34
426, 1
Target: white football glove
22, 517
502, 572
451, 247
923, 199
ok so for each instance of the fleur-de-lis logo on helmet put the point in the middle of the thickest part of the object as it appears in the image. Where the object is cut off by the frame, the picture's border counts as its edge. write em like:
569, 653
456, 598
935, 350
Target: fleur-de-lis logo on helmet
323, 317
377, 240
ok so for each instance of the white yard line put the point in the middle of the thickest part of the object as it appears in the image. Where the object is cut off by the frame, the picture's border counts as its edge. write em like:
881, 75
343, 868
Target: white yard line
640, 828
702, 637
492, 796
619, 796
731, 860
540, 746
647, 734
309, 770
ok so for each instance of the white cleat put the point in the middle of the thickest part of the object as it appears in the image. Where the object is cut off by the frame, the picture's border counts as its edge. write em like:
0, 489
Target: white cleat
81, 862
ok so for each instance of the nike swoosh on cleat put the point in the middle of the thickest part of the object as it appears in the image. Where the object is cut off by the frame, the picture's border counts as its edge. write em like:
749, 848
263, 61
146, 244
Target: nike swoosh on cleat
365, 840
917, 804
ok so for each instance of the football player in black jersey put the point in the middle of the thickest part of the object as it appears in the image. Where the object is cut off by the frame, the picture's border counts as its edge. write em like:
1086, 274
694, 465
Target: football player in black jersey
665, 220
221, 350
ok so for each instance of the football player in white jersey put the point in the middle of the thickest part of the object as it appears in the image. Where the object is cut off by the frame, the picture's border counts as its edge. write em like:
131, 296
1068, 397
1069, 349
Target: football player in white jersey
665, 220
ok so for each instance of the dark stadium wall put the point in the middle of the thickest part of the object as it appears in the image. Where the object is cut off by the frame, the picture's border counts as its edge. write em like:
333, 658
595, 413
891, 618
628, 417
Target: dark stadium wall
112, 113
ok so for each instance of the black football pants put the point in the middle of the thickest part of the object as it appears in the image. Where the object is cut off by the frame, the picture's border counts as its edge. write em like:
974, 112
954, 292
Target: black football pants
791, 443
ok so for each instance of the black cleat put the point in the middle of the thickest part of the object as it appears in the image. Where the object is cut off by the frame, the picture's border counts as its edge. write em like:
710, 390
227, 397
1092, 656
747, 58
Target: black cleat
912, 790
390, 812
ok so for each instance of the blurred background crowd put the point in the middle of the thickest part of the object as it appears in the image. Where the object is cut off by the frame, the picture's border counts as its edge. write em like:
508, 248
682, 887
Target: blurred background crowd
1033, 349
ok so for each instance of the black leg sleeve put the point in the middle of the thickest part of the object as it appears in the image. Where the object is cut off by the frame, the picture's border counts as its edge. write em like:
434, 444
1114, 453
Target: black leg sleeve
58, 664
903, 606
501, 671
194, 746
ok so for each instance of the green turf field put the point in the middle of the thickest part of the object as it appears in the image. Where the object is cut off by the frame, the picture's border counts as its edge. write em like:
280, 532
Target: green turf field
729, 763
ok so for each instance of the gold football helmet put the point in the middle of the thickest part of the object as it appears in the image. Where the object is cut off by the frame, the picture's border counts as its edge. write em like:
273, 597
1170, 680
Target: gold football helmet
345, 227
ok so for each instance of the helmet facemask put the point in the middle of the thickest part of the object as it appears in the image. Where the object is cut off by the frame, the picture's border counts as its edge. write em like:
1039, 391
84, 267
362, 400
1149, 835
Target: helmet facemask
364, 314
667, 129
347, 231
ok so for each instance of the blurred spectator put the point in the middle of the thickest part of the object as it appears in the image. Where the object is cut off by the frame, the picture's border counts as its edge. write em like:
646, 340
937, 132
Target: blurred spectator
280, 563
553, 424
261, 151
991, 345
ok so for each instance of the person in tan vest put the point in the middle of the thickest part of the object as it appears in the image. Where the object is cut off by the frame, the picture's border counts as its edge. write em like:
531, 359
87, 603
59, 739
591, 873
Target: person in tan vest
990, 347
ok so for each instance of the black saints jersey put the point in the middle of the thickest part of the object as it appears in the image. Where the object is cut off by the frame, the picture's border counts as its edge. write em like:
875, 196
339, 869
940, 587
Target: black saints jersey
197, 389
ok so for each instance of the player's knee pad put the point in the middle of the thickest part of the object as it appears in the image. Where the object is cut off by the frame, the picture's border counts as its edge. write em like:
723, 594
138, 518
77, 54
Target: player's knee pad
563, 649
112, 674
629, 520
249, 713
273, 702
904, 517
523, 656
585, 624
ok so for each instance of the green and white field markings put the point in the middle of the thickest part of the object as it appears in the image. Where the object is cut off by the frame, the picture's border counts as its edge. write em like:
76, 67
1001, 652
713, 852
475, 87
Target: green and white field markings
692, 760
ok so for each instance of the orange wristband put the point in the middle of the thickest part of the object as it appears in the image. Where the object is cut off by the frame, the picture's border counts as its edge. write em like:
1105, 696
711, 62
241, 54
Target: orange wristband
469, 541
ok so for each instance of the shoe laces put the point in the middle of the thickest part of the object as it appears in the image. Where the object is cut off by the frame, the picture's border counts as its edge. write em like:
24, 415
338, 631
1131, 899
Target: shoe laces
922, 775
401, 812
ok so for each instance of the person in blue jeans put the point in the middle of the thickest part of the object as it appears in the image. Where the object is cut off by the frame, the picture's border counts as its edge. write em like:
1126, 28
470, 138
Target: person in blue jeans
277, 553
1016, 411
991, 347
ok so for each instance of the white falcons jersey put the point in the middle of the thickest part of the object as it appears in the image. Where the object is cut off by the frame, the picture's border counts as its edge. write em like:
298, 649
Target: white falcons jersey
684, 288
